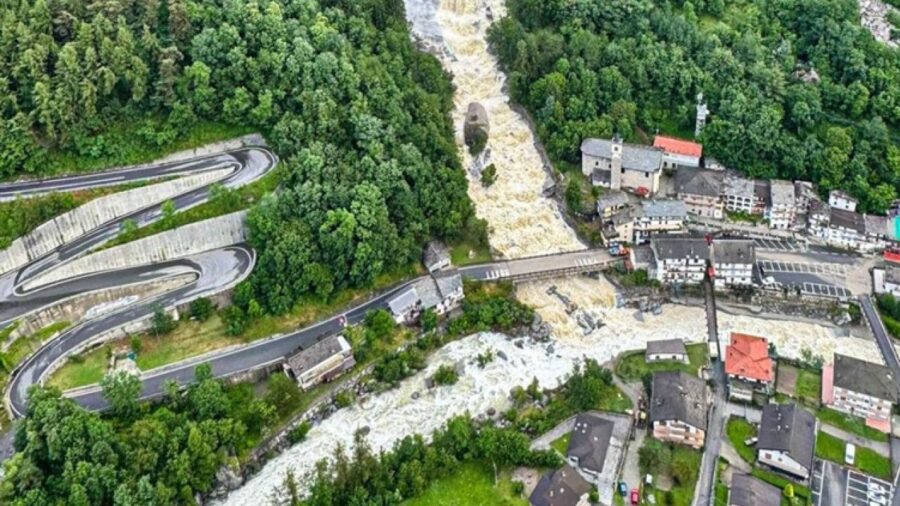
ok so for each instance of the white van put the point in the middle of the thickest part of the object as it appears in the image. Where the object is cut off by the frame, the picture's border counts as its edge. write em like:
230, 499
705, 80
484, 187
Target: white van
850, 454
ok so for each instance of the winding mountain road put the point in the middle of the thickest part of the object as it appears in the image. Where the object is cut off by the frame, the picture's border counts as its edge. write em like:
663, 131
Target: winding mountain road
213, 271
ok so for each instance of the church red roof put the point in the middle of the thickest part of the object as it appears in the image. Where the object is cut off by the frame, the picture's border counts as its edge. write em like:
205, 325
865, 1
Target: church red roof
748, 356
678, 146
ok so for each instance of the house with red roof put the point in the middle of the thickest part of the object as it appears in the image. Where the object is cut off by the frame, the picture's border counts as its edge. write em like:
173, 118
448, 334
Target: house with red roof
678, 152
748, 366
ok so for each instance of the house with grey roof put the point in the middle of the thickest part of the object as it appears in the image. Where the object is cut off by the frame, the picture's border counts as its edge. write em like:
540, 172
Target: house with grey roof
683, 260
436, 256
666, 349
747, 490
321, 362
787, 439
848, 230
405, 306
441, 292
611, 202
678, 407
860, 388
588, 442
701, 191
616, 165
563, 487
659, 216
742, 195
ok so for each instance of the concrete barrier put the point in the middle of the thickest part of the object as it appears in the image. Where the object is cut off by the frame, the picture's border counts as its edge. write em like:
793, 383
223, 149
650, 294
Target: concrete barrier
78, 222
190, 239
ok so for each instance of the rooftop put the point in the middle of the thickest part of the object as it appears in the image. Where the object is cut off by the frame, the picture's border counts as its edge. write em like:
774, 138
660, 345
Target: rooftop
692, 181
612, 199
876, 225
590, 440
749, 491
677, 395
672, 248
788, 428
748, 356
840, 194
436, 252
848, 220
666, 346
735, 251
669, 208
782, 193
317, 353
678, 146
634, 156
401, 303
563, 487
864, 377
737, 185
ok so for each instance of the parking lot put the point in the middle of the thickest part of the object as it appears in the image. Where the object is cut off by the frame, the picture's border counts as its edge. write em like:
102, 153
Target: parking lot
834, 485
770, 267
823, 279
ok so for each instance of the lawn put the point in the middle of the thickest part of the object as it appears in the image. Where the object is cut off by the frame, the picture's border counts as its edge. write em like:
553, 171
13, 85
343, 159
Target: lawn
809, 387
631, 367
682, 494
80, 370
459, 253
738, 431
852, 424
868, 461
614, 400
562, 444
470, 485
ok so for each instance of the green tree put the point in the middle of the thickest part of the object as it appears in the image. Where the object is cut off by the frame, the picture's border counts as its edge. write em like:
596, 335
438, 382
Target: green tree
162, 322
201, 309
121, 391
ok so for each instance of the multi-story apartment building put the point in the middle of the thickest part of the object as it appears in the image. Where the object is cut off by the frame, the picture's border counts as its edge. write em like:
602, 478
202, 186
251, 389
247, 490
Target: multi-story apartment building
701, 191
683, 260
658, 216
787, 439
748, 366
846, 229
678, 404
743, 195
781, 207
860, 388
733, 261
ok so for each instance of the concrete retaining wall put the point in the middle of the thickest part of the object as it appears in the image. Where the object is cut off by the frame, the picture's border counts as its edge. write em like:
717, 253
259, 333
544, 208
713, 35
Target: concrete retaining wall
75, 308
188, 240
73, 224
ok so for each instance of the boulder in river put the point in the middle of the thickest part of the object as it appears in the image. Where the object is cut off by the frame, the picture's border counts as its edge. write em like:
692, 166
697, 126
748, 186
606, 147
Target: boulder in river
476, 128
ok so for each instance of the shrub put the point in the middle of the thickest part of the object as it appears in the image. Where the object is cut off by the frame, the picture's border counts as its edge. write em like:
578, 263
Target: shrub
202, 309
298, 433
489, 175
445, 375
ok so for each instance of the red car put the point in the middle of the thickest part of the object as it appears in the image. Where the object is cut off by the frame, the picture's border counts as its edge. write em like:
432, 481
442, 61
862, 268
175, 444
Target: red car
635, 497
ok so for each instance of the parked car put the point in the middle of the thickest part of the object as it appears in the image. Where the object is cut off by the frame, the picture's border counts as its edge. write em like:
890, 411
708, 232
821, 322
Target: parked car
635, 497
623, 489
850, 454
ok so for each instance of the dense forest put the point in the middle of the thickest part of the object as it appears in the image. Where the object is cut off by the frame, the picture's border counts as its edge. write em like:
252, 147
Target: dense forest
358, 116
797, 88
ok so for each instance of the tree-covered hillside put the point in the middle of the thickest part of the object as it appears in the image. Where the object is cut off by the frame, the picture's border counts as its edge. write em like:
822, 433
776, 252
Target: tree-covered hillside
592, 67
357, 115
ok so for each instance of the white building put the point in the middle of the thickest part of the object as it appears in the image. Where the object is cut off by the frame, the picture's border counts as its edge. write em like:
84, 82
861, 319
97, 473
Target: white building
787, 439
659, 216
734, 260
845, 229
615, 165
860, 388
887, 279
842, 200
744, 195
701, 191
684, 261
678, 405
662, 350
678, 152
781, 208
321, 362
405, 307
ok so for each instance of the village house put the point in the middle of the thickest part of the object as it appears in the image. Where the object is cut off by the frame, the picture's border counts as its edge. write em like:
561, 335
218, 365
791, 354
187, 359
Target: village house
658, 216
440, 292
804, 192
666, 349
616, 165
842, 200
748, 367
678, 405
436, 257
701, 191
787, 439
321, 362
860, 388
597, 447
611, 202
781, 207
743, 195
619, 227
678, 152
887, 279
846, 229
563, 487
747, 490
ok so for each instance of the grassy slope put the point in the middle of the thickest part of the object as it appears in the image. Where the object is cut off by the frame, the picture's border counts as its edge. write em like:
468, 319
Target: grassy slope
738, 431
868, 461
632, 367
852, 424
471, 485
